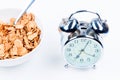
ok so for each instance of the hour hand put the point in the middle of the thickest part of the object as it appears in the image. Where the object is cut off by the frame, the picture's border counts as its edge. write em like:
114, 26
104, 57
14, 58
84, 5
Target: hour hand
89, 54
77, 56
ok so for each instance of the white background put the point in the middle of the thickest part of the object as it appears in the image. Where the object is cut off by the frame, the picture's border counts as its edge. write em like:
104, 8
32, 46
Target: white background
48, 64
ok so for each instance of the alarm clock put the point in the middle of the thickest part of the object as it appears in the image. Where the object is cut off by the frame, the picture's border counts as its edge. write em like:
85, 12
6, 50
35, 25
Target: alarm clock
81, 41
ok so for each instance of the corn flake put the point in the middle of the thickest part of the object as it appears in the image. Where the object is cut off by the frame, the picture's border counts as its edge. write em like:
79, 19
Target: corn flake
20, 39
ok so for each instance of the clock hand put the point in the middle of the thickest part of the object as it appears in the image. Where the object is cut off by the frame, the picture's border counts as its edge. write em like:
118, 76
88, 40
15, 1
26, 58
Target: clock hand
89, 54
77, 56
85, 46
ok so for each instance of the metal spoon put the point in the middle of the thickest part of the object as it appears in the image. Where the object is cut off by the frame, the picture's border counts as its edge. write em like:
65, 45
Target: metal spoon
23, 11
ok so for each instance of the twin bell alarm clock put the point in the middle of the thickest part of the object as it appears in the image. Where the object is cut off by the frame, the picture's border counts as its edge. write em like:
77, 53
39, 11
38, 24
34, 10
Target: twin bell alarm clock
81, 40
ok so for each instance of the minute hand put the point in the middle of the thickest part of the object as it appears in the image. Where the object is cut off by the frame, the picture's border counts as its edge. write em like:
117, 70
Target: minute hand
85, 46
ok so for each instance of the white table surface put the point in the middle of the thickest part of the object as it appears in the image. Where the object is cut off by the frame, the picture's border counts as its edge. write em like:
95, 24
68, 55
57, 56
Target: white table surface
48, 64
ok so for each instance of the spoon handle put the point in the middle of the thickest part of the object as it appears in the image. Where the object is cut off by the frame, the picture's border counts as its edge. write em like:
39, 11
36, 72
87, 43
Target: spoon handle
23, 11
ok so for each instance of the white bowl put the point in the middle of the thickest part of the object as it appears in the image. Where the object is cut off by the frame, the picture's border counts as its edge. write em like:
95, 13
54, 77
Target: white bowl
5, 15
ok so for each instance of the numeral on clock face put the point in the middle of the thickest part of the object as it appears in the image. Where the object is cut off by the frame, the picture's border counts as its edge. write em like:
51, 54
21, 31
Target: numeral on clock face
90, 41
68, 49
76, 41
70, 54
88, 59
81, 60
83, 40
71, 45
95, 46
96, 50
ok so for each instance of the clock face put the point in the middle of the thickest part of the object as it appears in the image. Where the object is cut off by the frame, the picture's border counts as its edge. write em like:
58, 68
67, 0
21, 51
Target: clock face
82, 52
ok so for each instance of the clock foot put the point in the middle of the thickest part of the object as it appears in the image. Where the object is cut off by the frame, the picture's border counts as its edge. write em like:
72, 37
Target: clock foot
94, 67
66, 66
